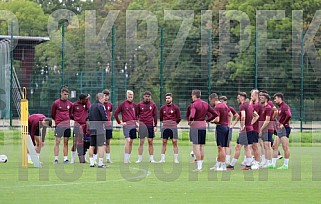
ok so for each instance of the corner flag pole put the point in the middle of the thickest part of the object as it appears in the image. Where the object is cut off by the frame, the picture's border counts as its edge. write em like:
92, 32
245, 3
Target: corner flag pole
24, 127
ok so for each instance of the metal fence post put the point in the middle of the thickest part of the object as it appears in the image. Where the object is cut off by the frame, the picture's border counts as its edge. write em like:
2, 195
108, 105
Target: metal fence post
62, 53
161, 67
113, 91
11, 71
256, 60
302, 81
209, 62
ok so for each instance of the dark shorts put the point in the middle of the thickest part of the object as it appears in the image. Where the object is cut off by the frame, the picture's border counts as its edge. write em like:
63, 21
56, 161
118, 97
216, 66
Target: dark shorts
255, 137
78, 131
130, 132
61, 131
222, 134
169, 133
245, 138
230, 132
267, 136
109, 133
198, 136
97, 140
283, 132
146, 131
84, 146
37, 133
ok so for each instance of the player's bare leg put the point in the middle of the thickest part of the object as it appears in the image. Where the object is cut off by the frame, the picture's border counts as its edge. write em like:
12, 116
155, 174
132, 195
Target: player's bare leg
267, 153
128, 149
237, 153
140, 150
66, 139
56, 149
285, 145
256, 154
164, 145
108, 160
151, 150
262, 152
197, 152
228, 153
73, 149
248, 154
175, 149
91, 156
275, 148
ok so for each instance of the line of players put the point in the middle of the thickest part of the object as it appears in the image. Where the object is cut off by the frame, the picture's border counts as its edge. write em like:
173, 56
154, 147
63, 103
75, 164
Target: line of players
257, 124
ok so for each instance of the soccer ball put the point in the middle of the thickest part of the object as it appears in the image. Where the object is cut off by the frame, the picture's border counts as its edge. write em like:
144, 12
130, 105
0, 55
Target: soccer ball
3, 158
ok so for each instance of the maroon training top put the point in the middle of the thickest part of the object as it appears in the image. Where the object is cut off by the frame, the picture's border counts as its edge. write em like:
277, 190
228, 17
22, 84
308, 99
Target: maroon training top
257, 107
284, 114
128, 112
109, 110
199, 111
147, 113
266, 111
232, 110
80, 112
222, 111
170, 115
272, 105
248, 115
33, 123
61, 111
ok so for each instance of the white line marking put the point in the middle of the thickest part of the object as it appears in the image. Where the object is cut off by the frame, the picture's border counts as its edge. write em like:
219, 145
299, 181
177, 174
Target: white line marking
145, 174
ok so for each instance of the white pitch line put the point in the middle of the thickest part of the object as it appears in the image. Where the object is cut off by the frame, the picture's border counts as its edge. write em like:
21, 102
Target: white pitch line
144, 175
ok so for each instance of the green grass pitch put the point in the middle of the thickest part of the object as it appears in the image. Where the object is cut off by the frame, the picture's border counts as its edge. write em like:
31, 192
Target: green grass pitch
159, 183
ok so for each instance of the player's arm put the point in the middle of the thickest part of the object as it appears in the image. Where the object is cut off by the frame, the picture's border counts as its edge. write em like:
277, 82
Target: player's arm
288, 115
275, 112
192, 113
266, 123
236, 120
155, 115
118, 110
102, 112
255, 117
70, 110
53, 110
161, 115
242, 122
178, 115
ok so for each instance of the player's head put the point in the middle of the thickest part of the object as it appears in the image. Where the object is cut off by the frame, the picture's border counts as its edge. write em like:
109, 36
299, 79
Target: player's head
213, 98
278, 98
83, 99
254, 95
147, 96
47, 122
107, 94
223, 99
169, 98
130, 95
264, 98
241, 97
100, 97
196, 94
64, 92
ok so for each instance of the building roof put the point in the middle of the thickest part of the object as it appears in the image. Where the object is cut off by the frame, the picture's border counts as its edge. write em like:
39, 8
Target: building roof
29, 39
